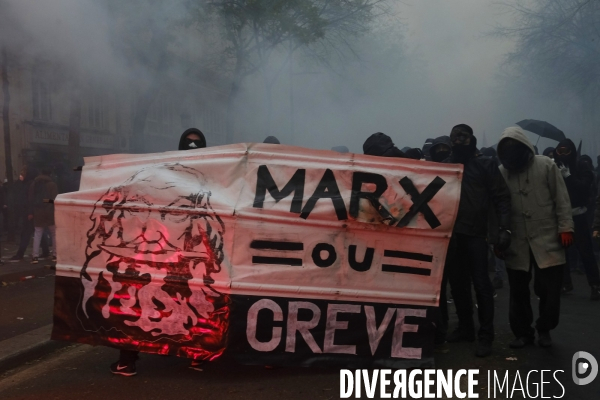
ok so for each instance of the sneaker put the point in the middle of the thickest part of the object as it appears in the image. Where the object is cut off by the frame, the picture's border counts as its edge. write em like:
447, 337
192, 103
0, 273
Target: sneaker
497, 283
197, 365
35, 260
15, 258
521, 342
484, 348
567, 288
125, 369
595, 293
461, 335
544, 339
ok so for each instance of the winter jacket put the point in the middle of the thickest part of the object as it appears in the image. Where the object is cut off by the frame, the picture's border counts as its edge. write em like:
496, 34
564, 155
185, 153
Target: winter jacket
482, 186
541, 210
43, 187
580, 182
380, 144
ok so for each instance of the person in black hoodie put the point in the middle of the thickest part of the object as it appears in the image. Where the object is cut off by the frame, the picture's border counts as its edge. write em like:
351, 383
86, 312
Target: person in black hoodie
579, 182
482, 187
380, 144
440, 149
20, 208
191, 139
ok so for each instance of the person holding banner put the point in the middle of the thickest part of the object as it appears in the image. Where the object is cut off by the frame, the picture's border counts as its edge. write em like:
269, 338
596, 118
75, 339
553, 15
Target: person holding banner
482, 187
191, 139
542, 227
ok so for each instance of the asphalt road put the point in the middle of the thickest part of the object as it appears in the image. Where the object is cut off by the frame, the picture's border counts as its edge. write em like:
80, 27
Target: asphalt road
82, 371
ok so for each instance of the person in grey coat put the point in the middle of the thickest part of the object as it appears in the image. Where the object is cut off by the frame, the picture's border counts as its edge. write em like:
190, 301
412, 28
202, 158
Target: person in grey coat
542, 226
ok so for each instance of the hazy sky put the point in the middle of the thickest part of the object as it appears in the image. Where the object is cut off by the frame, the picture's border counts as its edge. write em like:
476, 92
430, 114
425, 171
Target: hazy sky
462, 60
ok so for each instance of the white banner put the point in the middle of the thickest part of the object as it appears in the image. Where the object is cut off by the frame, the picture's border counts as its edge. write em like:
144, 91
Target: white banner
261, 219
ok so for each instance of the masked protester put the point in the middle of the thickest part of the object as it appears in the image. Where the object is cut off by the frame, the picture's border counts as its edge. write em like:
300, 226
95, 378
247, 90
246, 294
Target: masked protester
425, 149
542, 226
380, 144
579, 181
482, 188
191, 139
271, 140
440, 149
414, 154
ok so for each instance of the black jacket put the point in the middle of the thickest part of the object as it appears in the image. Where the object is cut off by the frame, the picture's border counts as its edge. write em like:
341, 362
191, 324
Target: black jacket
579, 183
482, 186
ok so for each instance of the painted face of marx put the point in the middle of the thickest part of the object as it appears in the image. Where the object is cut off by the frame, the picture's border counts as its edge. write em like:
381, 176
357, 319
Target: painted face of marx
154, 244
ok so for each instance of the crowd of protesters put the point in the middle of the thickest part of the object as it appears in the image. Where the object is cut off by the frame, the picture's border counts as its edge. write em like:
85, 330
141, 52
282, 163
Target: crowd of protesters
27, 211
528, 216
536, 215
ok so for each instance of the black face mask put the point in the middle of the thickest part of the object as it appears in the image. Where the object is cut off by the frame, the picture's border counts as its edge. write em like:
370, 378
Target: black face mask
193, 144
464, 151
515, 156
440, 155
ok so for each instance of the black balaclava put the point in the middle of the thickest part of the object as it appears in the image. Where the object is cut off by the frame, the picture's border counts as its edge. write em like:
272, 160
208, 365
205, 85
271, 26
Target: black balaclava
463, 152
440, 149
570, 158
189, 144
272, 140
586, 163
514, 155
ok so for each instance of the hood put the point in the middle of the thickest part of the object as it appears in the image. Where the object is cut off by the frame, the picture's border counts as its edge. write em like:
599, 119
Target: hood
380, 144
516, 133
271, 140
182, 144
340, 149
568, 143
440, 140
548, 151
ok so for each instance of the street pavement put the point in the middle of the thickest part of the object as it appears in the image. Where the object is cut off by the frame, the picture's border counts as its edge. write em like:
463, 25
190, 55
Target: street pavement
81, 371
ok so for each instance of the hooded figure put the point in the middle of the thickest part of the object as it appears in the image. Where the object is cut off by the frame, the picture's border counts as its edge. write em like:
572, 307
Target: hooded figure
272, 140
549, 152
579, 179
426, 146
192, 139
440, 149
541, 227
482, 189
380, 144
415, 154
340, 149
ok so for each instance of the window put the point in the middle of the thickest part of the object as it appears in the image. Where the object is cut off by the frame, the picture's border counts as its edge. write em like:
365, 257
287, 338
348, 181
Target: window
42, 105
97, 111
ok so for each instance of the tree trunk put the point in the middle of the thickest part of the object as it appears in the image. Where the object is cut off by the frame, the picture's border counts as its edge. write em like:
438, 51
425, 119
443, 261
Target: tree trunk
5, 118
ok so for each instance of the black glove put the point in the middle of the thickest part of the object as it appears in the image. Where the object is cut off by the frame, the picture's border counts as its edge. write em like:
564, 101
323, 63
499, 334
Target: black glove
503, 240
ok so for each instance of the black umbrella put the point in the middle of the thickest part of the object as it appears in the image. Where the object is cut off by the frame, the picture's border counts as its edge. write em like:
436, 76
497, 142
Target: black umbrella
543, 129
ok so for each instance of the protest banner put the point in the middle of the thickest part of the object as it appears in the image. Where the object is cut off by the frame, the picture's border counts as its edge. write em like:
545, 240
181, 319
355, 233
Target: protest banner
266, 253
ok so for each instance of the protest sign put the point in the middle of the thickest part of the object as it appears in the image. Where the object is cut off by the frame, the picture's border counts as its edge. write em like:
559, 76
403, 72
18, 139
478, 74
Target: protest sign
266, 253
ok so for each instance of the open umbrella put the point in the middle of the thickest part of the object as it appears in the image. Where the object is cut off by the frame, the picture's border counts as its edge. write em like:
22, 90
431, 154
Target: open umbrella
543, 129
